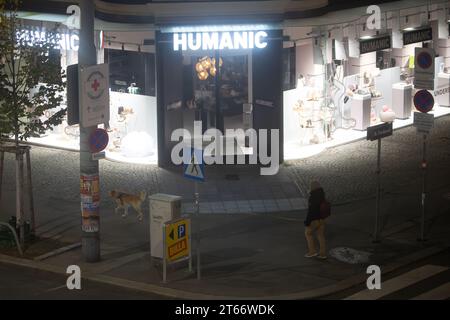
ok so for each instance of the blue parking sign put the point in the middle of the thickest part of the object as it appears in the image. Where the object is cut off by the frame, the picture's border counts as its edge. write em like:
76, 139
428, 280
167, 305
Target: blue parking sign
181, 231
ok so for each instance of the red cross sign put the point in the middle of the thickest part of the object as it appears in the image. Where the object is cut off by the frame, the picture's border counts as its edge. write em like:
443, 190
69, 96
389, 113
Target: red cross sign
95, 85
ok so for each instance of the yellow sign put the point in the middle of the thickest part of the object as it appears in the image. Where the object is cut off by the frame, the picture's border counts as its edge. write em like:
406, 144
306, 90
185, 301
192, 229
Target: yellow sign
411, 62
177, 239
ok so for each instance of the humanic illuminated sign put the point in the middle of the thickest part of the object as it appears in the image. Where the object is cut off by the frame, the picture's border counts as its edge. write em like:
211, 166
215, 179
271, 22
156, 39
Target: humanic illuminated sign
219, 40
65, 41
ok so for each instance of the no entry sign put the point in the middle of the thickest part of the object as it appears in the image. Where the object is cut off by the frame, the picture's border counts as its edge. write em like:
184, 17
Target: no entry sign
98, 140
423, 101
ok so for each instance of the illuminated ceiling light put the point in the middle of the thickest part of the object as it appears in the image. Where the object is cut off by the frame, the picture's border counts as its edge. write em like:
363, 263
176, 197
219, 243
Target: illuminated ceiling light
203, 75
366, 37
199, 67
206, 62
409, 29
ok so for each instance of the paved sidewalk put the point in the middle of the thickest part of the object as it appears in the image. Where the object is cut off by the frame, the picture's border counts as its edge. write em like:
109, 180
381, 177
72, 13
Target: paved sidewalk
257, 249
257, 256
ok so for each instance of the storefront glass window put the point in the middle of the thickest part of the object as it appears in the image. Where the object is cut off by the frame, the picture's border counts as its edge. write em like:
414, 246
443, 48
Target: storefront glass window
131, 72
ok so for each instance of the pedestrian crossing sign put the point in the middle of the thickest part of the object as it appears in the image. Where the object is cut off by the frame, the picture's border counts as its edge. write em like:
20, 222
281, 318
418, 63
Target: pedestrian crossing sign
193, 165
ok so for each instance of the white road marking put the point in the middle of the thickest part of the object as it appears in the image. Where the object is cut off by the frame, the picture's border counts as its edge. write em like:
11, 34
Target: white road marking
439, 293
400, 282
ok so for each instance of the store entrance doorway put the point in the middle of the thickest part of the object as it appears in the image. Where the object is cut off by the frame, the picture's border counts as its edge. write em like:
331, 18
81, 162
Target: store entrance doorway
217, 92
223, 89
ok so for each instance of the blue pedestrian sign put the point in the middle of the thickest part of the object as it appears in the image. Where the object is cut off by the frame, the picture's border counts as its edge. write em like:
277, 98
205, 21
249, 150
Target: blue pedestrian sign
193, 165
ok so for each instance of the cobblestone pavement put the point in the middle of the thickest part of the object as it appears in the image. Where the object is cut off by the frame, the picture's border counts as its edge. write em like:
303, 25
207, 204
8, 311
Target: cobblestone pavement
261, 250
347, 173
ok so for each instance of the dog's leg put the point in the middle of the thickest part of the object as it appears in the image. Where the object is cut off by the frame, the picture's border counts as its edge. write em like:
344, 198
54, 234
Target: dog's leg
138, 209
125, 211
141, 215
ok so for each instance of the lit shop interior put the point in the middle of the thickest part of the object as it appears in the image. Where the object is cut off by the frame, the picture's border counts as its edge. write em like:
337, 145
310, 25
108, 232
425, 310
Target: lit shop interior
322, 86
349, 77
225, 79
133, 122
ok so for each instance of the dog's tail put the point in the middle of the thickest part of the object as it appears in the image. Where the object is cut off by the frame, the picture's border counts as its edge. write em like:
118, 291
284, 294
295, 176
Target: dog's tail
143, 195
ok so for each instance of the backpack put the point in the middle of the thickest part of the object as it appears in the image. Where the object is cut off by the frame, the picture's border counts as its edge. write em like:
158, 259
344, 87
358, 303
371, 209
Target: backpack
325, 209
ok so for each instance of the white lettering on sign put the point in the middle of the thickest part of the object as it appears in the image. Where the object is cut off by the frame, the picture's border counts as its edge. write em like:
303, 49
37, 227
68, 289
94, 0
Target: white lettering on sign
219, 41
63, 41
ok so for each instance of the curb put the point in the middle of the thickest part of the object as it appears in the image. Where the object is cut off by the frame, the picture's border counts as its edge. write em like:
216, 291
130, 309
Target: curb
186, 295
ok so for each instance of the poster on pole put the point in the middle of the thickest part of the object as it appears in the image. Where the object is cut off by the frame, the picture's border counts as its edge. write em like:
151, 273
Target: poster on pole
90, 202
94, 95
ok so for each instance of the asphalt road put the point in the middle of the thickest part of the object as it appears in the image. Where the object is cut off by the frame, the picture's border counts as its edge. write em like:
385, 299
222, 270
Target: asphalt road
25, 283
400, 290
31, 284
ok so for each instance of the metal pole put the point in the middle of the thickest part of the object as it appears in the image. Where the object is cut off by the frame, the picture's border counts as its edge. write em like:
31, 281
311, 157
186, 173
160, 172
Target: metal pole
424, 187
164, 255
197, 236
190, 246
377, 214
86, 57
2, 159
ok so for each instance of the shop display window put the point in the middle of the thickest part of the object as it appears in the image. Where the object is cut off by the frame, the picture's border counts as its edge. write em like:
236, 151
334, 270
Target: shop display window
212, 92
131, 71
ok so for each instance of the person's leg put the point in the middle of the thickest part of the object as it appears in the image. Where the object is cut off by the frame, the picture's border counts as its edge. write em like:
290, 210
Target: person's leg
321, 236
309, 234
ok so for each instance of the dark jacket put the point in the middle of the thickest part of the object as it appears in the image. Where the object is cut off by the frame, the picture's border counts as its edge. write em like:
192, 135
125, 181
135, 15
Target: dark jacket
316, 197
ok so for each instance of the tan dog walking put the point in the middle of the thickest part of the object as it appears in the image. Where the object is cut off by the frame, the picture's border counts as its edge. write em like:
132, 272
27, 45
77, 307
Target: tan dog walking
125, 200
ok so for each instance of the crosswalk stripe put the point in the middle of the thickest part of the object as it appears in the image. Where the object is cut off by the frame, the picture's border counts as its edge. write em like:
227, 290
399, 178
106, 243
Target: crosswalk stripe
439, 293
399, 282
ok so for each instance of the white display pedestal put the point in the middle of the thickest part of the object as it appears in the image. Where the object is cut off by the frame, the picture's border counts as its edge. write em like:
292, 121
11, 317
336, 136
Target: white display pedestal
402, 100
442, 90
360, 110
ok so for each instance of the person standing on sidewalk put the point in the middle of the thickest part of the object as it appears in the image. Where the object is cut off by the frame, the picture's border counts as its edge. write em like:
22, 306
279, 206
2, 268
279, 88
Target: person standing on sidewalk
314, 222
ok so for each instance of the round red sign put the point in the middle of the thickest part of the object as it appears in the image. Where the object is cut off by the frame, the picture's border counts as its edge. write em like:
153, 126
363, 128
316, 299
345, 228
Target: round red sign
424, 101
98, 140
